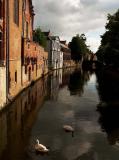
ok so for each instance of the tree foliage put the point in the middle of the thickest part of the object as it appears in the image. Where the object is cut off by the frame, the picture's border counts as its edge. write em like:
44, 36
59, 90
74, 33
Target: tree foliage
78, 47
39, 37
108, 52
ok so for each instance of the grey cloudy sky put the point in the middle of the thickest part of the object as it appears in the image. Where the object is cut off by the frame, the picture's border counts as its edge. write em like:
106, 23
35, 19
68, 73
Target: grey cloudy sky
67, 18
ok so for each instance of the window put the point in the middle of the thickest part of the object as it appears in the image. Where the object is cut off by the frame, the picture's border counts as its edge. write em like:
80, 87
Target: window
1, 45
25, 69
32, 67
0, 49
9, 78
0, 9
16, 11
0, 36
24, 4
27, 30
16, 76
28, 46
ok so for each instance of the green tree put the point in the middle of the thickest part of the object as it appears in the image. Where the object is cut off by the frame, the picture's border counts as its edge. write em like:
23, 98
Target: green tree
78, 47
108, 51
39, 37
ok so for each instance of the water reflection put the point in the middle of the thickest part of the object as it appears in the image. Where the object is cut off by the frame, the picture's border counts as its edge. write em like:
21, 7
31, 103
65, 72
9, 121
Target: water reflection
108, 86
16, 121
88, 156
109, 121
77, 81
42, 110
54, 79
108, 89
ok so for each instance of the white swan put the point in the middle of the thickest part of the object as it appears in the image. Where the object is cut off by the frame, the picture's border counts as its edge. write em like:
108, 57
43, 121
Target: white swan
68, 128
40, 147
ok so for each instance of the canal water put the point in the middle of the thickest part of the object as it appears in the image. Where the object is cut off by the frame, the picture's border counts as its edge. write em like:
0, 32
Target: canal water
65, 97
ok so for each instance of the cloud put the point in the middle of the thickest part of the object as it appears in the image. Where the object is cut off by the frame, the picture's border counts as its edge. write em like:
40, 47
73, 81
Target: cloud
89, 2
68, 17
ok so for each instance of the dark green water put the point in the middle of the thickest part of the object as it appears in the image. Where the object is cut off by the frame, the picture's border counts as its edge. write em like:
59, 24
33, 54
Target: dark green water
70, 97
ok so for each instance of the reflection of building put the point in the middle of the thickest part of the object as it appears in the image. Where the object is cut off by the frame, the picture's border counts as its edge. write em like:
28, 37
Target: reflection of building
16, 122
3, 132
60, 76
54, 82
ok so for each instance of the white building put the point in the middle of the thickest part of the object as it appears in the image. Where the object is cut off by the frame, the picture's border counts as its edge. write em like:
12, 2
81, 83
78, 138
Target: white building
55, 56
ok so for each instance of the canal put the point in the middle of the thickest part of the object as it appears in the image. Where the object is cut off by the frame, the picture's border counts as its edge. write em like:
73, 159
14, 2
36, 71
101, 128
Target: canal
65, 97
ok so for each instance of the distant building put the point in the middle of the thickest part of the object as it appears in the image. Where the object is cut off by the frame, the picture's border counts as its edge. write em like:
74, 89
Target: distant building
55, 56
66, 54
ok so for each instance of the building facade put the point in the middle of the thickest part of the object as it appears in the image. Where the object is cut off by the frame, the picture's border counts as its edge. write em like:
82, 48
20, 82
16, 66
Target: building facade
3, 82
21, 60
55, 56
67, 62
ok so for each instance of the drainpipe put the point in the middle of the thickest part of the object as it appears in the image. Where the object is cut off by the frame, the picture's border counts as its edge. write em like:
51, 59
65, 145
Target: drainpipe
23, 10
7, 49
22, 41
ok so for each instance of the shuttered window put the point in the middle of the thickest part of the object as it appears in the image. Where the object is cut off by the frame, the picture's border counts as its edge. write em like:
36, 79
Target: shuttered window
16, 76
0, 45
0, 9
16, 11
27, 29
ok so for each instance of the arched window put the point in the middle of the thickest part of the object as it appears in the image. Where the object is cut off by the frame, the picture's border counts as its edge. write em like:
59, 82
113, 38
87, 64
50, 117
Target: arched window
16, 11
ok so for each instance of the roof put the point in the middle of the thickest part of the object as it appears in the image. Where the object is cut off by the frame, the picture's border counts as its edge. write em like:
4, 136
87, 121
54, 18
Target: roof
47, 33
55, 37
63, 42
64, 46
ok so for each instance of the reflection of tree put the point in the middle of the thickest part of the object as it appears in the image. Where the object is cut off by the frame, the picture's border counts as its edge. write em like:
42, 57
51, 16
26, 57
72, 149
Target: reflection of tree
108, 89
108, 86
109, 121
77, 81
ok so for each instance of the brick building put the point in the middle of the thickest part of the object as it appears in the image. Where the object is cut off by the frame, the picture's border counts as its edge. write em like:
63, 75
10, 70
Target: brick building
21, 59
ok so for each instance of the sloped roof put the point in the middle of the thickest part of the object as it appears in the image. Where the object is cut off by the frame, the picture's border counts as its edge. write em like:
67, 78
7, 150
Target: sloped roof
55, 37
63, 42
47, 33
